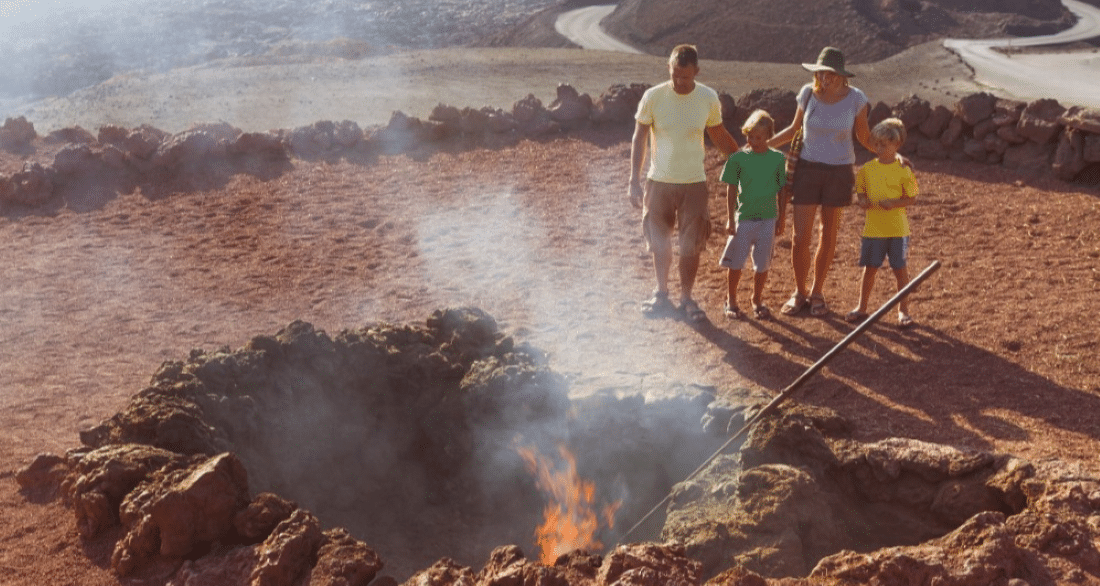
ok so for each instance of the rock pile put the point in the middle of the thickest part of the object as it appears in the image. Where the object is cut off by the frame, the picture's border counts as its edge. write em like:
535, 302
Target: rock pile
1039, 137
400, 434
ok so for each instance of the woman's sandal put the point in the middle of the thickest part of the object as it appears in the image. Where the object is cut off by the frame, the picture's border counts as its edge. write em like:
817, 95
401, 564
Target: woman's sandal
818, 307
793, 305
856, 316
733, 312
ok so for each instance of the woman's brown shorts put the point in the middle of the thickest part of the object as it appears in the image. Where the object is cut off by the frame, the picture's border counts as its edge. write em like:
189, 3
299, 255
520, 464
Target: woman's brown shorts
824, 185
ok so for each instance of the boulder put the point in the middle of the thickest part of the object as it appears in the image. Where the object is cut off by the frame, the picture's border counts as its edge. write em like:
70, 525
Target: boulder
32, 186
288, 552
649, 564
936, 122
17, 134
879, 112
257, 520
532, 118
953, 135
343, 560
1039, 121
72, 135
618, 104
780, 103
172, 513
313, 140
1007, 112
913, 111
1083, 119
100, 479
346, 134
570, 108
975, 107
1010, 134
1069, 157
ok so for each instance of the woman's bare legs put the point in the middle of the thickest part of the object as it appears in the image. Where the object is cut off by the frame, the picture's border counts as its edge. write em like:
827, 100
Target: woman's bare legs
826, 248
803, 221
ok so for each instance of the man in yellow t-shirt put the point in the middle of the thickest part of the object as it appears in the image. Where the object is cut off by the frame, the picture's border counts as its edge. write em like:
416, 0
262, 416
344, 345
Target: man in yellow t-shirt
884, 187
671, 120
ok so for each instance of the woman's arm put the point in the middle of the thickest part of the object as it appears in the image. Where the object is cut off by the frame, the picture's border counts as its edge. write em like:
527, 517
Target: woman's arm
784, 136
863, 128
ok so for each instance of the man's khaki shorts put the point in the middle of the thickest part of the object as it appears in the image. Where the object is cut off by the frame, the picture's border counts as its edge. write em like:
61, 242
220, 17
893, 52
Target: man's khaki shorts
676, 205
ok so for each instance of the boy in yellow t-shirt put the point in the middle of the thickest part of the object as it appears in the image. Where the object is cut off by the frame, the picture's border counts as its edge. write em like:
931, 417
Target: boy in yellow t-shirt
884, 187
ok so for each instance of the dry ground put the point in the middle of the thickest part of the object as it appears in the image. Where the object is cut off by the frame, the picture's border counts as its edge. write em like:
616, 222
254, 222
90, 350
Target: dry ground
542, 237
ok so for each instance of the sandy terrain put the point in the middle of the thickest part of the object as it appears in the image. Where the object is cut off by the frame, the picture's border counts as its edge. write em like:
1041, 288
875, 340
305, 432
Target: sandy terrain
286, 94
539, 235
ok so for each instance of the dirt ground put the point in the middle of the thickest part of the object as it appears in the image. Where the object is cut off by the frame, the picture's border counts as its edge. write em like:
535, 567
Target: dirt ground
540, 235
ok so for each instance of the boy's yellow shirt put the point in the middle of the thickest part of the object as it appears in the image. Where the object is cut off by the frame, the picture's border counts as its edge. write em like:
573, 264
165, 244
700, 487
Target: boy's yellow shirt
881, 181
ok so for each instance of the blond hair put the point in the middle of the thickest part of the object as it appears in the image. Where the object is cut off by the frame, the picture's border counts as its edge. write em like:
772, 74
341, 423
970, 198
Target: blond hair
759, 118
890, 130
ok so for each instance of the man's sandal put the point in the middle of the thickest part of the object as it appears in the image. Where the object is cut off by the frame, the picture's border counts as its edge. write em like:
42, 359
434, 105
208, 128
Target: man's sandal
658, 305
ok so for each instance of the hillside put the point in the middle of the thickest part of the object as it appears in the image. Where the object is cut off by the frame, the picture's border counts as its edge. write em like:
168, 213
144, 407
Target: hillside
791, 30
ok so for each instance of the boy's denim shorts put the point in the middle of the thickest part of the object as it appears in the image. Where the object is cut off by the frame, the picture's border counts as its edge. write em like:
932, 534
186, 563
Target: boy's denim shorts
872, 251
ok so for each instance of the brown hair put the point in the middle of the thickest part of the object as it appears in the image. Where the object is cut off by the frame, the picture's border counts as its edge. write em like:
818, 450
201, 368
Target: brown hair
684, 56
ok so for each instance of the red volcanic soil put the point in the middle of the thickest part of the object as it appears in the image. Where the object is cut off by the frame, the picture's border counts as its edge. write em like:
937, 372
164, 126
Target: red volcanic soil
541, 236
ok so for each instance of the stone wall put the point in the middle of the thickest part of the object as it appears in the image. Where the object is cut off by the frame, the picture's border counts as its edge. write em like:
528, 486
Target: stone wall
1037, 138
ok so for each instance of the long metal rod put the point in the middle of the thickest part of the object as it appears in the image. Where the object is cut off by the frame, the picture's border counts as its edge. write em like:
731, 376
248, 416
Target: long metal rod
791, 388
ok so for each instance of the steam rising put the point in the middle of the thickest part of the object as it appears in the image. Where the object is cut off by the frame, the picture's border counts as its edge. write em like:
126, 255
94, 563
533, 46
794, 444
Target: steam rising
52, 48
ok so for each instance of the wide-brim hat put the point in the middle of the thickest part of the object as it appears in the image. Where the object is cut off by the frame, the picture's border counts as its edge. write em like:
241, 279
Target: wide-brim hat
830, 59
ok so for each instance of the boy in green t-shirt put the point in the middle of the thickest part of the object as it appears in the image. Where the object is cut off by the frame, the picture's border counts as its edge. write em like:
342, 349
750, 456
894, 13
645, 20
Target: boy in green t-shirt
755, 176
884, 187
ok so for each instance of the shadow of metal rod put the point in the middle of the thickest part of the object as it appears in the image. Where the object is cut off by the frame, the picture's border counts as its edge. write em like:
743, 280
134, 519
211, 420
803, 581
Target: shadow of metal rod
791, 388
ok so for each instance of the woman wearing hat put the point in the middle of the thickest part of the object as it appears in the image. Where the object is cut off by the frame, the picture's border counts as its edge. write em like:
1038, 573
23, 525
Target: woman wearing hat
828, 111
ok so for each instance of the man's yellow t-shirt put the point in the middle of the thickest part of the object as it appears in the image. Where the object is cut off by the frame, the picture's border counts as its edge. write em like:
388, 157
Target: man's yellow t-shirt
881, 181
677, 124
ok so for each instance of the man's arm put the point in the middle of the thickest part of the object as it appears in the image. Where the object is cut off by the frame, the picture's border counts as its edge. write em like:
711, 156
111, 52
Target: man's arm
638, 147
722, 139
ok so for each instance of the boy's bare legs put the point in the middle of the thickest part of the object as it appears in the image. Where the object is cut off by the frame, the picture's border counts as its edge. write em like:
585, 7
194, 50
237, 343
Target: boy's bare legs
866, 285
758, 281
904, 320
733, 278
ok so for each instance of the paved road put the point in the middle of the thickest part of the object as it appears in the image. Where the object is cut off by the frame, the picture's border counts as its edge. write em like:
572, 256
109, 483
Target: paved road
582, 27
1072, 78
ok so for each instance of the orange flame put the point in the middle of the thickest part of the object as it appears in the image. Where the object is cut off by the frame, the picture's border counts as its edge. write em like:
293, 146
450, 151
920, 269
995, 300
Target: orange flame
570, 518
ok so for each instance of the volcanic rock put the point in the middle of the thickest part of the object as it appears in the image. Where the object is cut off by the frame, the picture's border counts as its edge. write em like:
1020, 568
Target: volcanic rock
913, 111
17, 134
618, 103
32, 186
1039, 120
1084, 119
936, 122
171, 513
975, 108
